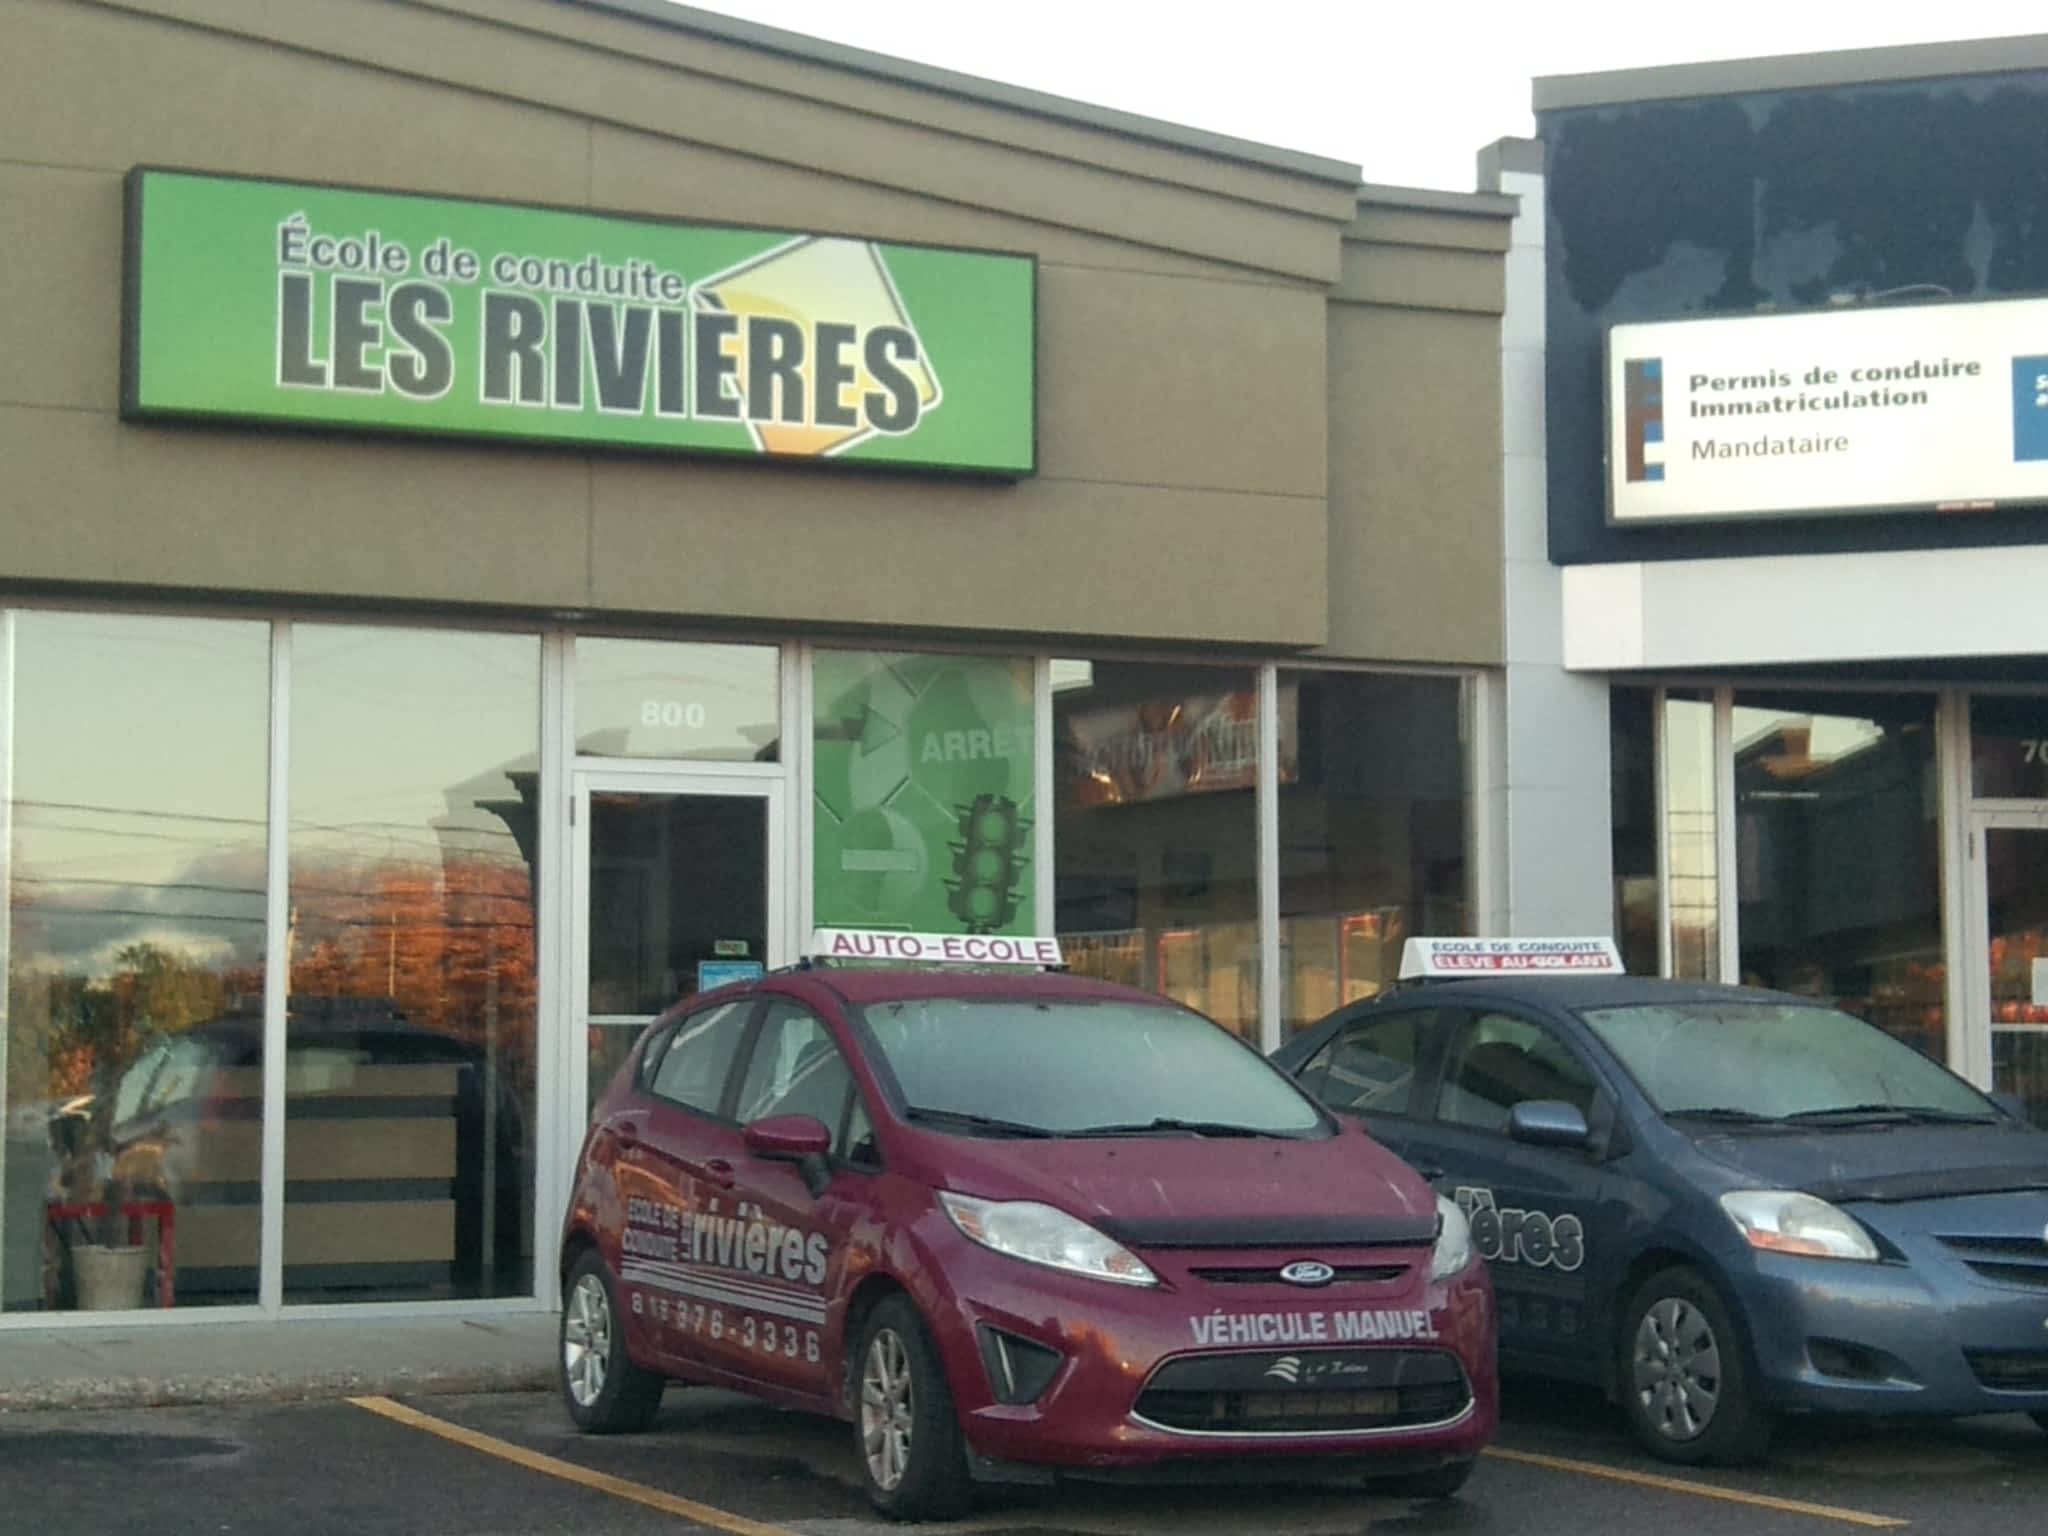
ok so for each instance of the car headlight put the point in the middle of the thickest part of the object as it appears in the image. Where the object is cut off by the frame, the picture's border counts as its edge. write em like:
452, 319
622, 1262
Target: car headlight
1453, 1241
1786, 1221
1040, 1234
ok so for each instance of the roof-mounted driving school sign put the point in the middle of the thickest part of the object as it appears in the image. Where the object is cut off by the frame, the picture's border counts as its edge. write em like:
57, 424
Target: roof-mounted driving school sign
1509, 957
339, 308
843, 944
1928, 407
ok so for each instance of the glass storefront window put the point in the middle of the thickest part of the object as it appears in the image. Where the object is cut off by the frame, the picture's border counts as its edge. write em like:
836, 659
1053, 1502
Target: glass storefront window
922, 798
410, 1084
1156, 767
677, 699
1692, 851
2016, 909
1632, 760
677, 902
2008, 747
1373, 803
1838, 860
134, 878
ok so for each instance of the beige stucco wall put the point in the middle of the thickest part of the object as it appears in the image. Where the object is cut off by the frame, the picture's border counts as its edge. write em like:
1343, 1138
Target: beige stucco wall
1415, 565
1187, 452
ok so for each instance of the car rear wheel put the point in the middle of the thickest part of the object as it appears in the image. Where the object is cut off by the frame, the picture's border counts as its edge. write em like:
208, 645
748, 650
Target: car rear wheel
606, 1393
912, 1454
1441, 1483
1685, 1378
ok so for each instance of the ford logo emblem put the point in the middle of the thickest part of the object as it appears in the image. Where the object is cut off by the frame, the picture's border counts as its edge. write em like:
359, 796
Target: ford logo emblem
1308, 1272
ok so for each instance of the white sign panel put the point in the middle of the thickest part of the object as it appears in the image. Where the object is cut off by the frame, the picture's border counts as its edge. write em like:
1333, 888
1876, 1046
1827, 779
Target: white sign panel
1510, 957
932, 948
1940, 407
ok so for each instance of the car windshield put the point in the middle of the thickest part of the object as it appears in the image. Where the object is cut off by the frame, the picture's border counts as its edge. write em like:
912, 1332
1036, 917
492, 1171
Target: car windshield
1037, 1067
1778, 1062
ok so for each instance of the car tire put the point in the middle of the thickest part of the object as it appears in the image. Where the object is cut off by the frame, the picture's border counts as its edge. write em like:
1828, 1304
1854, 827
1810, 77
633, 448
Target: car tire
906, 1434
1684, 1373
606, 1393
1439, 1483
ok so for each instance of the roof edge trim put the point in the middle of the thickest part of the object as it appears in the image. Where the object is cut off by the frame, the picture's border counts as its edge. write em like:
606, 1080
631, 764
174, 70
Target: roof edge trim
929, 77
1791, 72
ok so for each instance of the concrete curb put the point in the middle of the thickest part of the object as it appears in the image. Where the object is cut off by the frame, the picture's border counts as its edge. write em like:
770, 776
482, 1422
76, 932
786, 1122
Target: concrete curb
277, 1361
197, 1390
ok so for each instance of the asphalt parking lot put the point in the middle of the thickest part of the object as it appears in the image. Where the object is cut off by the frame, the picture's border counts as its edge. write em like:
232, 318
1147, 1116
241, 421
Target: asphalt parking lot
509, 1463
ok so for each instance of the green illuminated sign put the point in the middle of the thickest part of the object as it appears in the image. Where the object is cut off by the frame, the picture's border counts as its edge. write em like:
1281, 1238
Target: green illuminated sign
331, 307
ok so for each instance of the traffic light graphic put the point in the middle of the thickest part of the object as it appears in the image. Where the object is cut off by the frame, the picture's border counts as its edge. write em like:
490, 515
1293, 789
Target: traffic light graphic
987, 863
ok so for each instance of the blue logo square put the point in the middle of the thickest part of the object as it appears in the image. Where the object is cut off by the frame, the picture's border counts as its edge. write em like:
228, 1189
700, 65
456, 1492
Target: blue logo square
2029, 408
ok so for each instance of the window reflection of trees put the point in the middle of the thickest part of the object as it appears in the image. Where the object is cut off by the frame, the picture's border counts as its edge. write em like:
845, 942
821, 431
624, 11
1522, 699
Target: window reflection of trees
134, 868
451, 945
136, 882
411, 1071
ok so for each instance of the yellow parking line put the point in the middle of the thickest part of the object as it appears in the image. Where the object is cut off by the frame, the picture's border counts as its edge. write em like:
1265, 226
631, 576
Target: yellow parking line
739, 1525
568, 1471
1702, 1490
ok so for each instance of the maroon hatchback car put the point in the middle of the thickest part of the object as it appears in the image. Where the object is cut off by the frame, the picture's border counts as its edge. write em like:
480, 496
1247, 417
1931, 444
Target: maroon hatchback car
1014, 1225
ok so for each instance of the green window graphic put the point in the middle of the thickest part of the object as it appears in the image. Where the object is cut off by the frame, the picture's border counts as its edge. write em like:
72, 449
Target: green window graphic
923, 796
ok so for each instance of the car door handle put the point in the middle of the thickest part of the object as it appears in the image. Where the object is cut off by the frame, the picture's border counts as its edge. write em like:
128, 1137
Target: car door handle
1430, 1175
718, 1171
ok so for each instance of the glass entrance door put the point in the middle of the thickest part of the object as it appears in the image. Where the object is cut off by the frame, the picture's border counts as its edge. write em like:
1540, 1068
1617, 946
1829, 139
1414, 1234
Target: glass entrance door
2011, 858
677, 892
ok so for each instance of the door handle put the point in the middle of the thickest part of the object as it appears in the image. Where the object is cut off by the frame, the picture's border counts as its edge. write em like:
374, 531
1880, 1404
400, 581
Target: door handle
1429, 1175
718, 1171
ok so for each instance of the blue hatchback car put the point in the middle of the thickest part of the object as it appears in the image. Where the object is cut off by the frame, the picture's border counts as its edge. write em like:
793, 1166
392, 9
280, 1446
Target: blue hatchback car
1719, 1203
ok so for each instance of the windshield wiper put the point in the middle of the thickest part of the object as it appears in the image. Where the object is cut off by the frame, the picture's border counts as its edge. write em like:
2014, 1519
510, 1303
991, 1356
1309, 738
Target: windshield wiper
1888, 1114
1725, 1114
967, 1120
1169, 1123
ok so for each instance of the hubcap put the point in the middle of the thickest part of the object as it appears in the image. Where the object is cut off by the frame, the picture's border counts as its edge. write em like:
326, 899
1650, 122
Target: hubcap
885, 1409
1677, 1369
586, 1340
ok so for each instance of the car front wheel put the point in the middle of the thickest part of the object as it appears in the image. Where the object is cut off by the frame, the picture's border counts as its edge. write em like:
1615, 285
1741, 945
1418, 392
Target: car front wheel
1685, 1377
606, 1393
913, 1457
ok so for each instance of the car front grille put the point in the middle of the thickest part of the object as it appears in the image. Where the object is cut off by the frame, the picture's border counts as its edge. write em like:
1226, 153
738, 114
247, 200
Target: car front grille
2016, 1261
1307, 1392
1269, 1274
2010, 1370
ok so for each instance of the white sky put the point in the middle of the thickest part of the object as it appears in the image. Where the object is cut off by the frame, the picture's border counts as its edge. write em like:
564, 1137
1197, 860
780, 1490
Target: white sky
1409, 92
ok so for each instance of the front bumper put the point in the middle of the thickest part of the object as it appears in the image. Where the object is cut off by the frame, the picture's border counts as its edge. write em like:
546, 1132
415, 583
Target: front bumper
1391, 1379
1920, 1337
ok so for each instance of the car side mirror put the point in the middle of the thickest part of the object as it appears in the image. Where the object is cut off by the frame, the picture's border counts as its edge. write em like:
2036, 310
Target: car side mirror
1549, 1123
799, 1139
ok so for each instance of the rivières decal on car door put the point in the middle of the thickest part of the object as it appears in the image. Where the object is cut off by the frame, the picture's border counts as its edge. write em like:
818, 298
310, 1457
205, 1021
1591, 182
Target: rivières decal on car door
742, 1277
1531, 1237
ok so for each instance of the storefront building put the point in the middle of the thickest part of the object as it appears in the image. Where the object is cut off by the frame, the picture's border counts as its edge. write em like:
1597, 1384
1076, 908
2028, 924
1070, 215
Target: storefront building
517, 513
1795, 321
